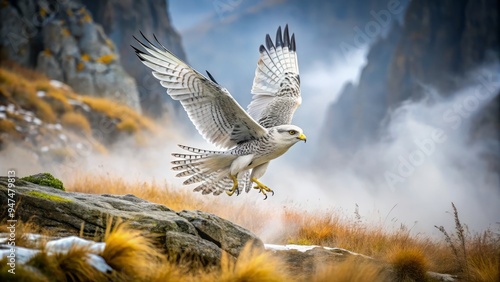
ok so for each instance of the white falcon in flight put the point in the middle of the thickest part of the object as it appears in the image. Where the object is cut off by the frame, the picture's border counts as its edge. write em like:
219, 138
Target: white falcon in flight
248, 140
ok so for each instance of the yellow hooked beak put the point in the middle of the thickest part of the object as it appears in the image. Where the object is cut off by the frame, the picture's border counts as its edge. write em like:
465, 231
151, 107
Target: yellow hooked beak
302, 137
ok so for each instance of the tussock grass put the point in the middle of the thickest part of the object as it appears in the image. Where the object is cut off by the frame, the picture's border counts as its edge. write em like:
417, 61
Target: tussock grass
76, 122
252, 265
129, 252
7, 126
75, 266
23, 229
409, 264
131, 118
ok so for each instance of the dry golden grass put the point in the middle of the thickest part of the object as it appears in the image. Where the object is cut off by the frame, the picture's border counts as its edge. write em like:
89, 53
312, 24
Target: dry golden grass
128, 125
15, 69
22, 232
76, 122
75, 266
326, 229
16, 87
130, 253
252, 265
7, 126
154, 192
409, 264
121, 112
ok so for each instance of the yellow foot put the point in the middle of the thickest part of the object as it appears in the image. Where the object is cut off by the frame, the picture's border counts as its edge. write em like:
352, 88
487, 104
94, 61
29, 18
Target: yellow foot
262, 188
235, 186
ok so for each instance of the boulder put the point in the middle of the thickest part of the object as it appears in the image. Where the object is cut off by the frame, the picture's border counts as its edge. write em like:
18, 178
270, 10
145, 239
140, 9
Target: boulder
188, 234
223, 233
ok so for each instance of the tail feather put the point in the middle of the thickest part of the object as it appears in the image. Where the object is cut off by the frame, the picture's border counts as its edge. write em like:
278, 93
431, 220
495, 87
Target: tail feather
210, 168
215, 183
198, 151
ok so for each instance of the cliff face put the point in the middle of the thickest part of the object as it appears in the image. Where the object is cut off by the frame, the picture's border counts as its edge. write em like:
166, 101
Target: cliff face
60, 39
438, 43
123, 19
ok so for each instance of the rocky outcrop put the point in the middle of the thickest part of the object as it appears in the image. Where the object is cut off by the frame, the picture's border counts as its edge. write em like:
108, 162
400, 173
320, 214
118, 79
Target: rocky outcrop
60, 39
187, 234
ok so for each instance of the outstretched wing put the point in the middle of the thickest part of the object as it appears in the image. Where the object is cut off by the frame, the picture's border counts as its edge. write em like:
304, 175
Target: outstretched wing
214, 112
276, 86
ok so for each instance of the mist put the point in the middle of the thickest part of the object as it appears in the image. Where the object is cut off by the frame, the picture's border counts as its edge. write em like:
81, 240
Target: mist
424, 160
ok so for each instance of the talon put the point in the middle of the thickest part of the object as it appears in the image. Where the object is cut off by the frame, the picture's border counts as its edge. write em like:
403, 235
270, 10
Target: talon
235, 186
262, 188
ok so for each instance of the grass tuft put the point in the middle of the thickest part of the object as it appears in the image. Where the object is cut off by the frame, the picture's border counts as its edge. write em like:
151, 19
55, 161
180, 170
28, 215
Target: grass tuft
252, 265
409, 264
75, 267
20, 273
129, 252
121, 112
77, 122
7, 126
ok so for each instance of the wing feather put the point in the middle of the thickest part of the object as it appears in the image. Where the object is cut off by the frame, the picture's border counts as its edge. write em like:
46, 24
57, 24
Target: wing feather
214, 112
276, 85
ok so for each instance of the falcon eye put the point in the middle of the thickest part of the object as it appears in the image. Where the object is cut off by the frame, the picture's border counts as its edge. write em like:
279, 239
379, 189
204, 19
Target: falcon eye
292, 132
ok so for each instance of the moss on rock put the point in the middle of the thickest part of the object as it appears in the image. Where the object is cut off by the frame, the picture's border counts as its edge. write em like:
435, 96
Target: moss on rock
54, 198
45, 179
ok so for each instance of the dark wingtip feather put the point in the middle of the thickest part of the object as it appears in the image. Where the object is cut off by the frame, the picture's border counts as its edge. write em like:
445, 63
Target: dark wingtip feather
279, 38
138, 52
269, 42
293, 46
286, 37
145, 38
158, 41
212, 78
262, 49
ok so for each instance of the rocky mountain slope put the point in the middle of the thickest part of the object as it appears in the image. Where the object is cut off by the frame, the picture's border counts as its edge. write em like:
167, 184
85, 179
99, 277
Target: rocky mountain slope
86, 44
61, 40
44, 122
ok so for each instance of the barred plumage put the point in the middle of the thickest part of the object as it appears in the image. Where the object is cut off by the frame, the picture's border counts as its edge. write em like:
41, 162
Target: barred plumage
251, 139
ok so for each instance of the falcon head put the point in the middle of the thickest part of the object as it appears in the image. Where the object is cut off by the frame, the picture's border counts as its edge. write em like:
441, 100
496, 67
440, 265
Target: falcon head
288, 134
